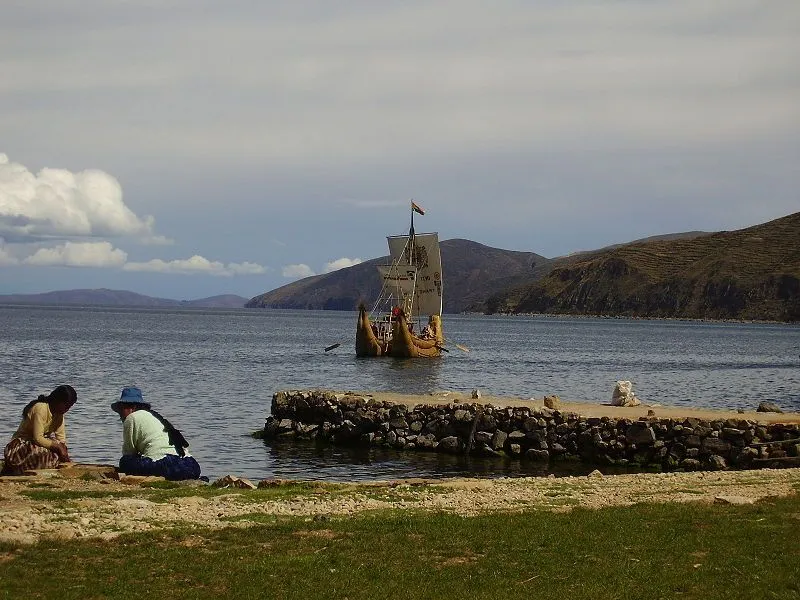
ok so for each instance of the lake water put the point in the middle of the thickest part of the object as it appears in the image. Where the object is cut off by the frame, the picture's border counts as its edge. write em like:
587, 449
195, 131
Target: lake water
213, 374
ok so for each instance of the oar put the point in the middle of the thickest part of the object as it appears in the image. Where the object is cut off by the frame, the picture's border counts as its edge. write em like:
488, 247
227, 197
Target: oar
460, 347
332, 346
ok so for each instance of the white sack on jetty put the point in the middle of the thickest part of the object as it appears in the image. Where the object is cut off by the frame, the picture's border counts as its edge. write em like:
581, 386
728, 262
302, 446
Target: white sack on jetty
623, 395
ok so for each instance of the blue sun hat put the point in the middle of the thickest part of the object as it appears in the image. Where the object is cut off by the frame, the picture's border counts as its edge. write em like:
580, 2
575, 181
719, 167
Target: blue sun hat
130, 396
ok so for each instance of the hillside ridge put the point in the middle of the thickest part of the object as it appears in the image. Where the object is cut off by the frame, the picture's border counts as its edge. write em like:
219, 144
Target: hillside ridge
751, 274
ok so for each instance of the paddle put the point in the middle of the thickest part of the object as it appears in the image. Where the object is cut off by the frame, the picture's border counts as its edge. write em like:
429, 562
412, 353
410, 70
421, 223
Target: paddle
332, 346
459, 346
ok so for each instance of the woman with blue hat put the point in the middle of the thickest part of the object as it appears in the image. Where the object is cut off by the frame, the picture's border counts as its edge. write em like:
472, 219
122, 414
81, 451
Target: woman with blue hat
150, 444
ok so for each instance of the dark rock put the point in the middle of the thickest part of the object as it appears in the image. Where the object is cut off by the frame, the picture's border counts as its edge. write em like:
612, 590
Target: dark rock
483, 437
537, 455
716, 446
690, 464
717, 463
450, 444
499, 439
640, 433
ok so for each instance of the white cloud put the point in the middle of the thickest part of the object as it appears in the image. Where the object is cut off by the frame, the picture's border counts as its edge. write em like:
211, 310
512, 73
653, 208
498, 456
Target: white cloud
246, 268
59, 204
297, 271
41, 210
340, 263
78, 254
196, 265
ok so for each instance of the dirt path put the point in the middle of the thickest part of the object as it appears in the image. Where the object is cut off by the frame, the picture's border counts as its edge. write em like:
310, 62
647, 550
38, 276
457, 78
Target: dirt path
77, 508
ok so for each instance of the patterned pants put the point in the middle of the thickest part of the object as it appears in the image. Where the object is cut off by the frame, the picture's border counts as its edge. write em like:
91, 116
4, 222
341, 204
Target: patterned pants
23, 455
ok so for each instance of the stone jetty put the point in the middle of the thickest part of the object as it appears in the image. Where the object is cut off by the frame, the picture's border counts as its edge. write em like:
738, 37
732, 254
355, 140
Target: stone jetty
533, 431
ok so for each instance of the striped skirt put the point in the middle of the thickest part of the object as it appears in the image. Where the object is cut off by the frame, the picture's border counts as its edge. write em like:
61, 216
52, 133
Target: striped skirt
23, 455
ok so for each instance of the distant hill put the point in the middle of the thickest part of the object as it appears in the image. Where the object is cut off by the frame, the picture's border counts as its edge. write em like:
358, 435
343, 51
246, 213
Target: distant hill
471, 273
105, 297
222, 301
751, 273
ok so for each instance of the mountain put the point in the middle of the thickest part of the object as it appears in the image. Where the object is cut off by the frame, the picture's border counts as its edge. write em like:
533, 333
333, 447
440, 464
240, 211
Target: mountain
471, 273
105, 297
752, 273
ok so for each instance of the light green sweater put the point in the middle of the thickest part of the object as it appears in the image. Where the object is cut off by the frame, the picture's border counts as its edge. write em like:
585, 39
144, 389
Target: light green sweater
143, 434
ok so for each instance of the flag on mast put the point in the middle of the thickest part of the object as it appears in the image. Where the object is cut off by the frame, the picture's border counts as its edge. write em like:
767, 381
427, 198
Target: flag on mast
417, 208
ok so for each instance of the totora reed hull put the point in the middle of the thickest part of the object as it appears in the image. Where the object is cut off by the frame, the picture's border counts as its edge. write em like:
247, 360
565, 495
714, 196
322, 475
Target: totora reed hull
402, 343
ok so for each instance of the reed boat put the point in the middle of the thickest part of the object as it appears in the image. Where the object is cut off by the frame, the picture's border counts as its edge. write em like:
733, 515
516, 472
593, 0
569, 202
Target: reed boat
411, 294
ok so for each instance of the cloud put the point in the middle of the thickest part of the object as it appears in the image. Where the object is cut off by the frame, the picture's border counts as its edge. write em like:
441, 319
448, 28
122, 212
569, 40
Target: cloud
340, 263
246, 268
196, 265
78, 254
297, 271
59, 204
42, 209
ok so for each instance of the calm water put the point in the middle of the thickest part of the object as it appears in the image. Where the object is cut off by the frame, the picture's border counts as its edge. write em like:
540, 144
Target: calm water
213, 373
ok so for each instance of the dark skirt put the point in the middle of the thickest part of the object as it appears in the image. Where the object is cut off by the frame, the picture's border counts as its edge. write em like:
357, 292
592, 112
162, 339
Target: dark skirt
24, 455
171, 467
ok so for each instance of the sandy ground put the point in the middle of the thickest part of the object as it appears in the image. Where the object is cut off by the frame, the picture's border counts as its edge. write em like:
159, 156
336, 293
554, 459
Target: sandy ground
106, 508
590, 409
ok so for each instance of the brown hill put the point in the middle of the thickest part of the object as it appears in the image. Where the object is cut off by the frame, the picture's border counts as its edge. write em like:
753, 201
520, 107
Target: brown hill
752, 273
471, 272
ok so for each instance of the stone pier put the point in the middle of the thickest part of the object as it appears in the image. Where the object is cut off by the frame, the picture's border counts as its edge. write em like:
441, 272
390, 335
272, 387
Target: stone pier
538, 433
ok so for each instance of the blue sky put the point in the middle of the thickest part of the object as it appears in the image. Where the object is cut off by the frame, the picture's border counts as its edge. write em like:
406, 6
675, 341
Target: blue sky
185, 149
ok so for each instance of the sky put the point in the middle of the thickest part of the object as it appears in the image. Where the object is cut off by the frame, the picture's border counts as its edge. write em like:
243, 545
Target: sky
189, 148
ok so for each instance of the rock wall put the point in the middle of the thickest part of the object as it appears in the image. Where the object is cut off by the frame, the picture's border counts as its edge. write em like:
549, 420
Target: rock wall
540, 434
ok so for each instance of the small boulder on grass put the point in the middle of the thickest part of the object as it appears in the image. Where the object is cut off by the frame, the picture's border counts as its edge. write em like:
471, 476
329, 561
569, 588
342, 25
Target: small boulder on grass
231, 481
769, 407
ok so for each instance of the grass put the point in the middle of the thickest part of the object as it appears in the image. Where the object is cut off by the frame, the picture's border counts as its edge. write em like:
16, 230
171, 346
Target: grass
645, 551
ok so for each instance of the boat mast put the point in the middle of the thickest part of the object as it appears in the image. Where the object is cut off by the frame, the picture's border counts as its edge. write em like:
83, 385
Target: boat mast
412, 259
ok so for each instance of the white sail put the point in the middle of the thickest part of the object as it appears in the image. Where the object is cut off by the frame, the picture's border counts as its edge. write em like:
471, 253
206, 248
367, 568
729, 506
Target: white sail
427, 259
399, 279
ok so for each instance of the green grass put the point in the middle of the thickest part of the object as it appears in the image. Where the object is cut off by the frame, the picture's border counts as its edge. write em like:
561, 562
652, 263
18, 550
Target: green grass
645, 551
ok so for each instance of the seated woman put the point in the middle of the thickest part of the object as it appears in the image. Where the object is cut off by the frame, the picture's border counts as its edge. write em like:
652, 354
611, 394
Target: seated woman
41, 440
150, 444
